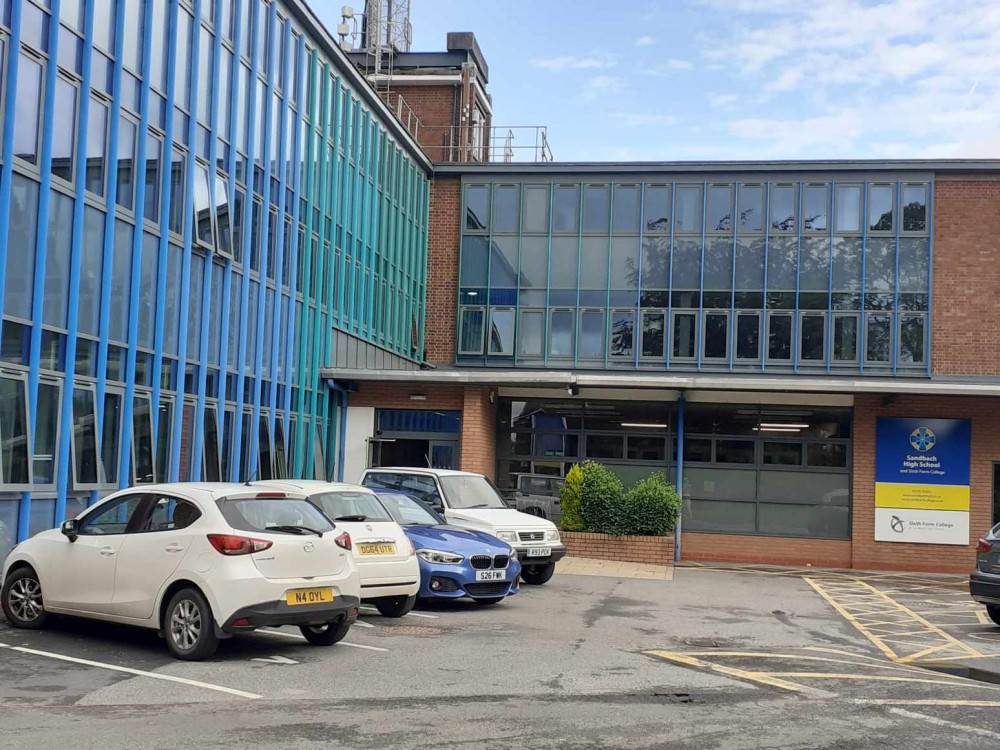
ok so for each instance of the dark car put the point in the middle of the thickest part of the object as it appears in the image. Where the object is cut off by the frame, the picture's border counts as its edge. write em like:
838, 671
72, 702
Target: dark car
984, 583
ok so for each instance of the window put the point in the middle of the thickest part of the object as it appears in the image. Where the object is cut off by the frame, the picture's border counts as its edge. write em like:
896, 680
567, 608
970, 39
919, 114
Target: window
15, 469
653, 330
84, 438
880, 199
147, 289
720, 209
591, 339
27, 100
812, 337
914, 208
878, 337
815, 207
845, 338
203, 232
826, 454
121, 281
716, 335
750, 204
151, 196
143, 470
605, 446
502, 331
211, 467
734, 451
848, 208
164, 430
477, 207
561, 333
111, 437
697, 450
566, 209
911, 339
596, 208
529, 333
626, 213
506, 208
182, 74
684, 335
656, 208
471, 339
171, 514
177, 169
97, 125
21, 234
125, 196
688, 209
782, 454
280, 461
535, 215
46, 433
91, 267
112, 517
64, 131
782, 208
60, 232
622, 330
779, 336
747, 336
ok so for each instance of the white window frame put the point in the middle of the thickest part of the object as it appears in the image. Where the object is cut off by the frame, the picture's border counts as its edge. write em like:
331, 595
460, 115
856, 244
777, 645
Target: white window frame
521, 328
768, 359
704, 341
833, 333
735, 333
899, 338
836, 207
611, 314
673, 317
662, 314
461, 330
509, 352
58, 384
548, 339
803, 314
869, 314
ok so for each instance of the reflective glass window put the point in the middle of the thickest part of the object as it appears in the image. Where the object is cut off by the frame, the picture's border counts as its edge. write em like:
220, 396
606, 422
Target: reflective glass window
688, 209
914, 208
626, 209
202, 207
163, 431
110, 437
91, 269
656, 208
591, 342
534, 262
158, 50
477, 207
506, 208
502, 331
779, 336
848, 208
751, 208
177, 170
720, 208
205, 42
147, 289
14, 465
42, 515
782, 454
622, 333
593, 263
880, 264
60, 231
529, 333
596, 208
716, 335
121, 282
845, 338
880, 200
45, 433
815, 206
718, 263
142, 441
812, 338
566, 209
132, 39
171, 301
471, 340
84, 437
747, 336
21, 236
104, 25
535, 216
624, 263
653, 334
97, 124
911, 339
878, 337
27, 102
182, 61
782, 208
210, 456
125, 197
151, 196
194, 305
224, 242
503, 261
64, 134
605, 446
561, 333
683, 335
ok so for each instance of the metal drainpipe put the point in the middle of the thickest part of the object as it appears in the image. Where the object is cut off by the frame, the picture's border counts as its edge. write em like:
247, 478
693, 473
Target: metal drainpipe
680, 475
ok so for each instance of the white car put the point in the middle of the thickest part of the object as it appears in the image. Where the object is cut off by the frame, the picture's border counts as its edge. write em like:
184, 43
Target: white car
390, 571
197, 562
472, 501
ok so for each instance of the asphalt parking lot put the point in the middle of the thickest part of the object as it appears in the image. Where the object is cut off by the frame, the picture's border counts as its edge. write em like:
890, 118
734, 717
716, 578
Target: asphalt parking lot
726, 658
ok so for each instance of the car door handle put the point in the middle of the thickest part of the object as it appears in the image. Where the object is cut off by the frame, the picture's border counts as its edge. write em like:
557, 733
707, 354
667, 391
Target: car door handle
174, 548
107, 551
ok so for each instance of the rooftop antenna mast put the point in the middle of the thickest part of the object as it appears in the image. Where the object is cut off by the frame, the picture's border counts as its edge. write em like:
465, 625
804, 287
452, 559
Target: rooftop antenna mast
386, 30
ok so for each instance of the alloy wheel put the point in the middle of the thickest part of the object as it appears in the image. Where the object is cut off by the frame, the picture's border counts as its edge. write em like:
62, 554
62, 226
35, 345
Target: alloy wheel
25, 599
185, 624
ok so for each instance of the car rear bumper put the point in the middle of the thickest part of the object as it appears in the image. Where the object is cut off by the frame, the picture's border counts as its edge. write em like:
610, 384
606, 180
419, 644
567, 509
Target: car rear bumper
379, 587
985, 589
558, 553
275, 613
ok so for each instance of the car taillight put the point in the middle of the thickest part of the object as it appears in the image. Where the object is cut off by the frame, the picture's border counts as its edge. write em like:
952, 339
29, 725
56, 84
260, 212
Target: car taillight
983, 546
343, 540
413, 550
230, 544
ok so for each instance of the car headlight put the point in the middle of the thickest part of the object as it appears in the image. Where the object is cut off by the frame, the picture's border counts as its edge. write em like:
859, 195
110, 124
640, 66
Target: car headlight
507, 536
442, 558
552, 535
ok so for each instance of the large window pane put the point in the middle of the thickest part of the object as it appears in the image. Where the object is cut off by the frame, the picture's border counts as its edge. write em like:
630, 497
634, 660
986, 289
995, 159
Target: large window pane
655, 262
720, 209
475, 261
626, 213
60, 231
529, 333
878, 338
224, 239
177, 169
653, 331
172, 298
536, 209
91, 268
594, 263
21, 247
847, 264
534, 262
848, 208
782, 261
845, 338
84, 437
132, 40
63, 135
566, 209
147, 288
782, 208
686, 270
747, 336
502, 331
880, 265
151, 196
914, 208
45, 434
779, 337
564, 263
815, 206
642, 448
814, 264
121, 282
812, 338
477, 207
596, 207
913, 264
203, 210
880, 208
751, 208
684, 336
210, 457
182, 72
26, 108
656, 208
125, 197
782, 454
624, 263
605, 446
591, 345
110, 436
142, 440
471, 340
622, 333
14, 467
561, 333
506, 208
688, 209
718, 271
97, 123
716, 335
911, 339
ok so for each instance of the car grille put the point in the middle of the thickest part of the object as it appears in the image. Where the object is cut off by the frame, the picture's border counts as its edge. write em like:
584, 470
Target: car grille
445, 584
530, 536
489, 588
480, 562
501, 561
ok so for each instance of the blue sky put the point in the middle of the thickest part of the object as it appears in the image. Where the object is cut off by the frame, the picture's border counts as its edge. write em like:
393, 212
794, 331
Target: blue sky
736, 79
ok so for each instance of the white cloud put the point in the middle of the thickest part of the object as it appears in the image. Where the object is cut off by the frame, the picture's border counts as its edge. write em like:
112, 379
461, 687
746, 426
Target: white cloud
642, 119
667, 67
602, 85
575, 62
645, 41
722, 100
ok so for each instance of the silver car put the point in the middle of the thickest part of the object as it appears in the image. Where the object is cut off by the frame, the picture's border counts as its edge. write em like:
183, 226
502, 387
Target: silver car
538, 495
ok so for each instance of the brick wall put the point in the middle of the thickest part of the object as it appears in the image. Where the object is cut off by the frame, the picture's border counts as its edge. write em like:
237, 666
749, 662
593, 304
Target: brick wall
772, 550
965, 306
869, 554
652, 550
436, 108
477, 449
397, 396
442, 268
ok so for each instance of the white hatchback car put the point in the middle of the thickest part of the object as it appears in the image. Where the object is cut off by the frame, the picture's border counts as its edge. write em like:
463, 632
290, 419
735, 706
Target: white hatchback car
197, 562
390, 571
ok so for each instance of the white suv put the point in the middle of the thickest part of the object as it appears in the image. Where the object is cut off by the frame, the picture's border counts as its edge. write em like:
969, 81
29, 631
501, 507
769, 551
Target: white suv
197, 562
386, 559
471, 501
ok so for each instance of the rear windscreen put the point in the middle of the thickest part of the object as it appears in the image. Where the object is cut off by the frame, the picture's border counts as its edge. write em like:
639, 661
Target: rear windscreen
264, 513
350, 505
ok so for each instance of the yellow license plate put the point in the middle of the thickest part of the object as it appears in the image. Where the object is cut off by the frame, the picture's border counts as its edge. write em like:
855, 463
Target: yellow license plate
376, 548
308, 596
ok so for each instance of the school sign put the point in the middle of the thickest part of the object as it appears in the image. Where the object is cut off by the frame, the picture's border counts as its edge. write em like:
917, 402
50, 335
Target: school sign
922, 480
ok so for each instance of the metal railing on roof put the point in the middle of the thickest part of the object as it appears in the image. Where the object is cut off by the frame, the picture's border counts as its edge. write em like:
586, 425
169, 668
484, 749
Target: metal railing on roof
481, 144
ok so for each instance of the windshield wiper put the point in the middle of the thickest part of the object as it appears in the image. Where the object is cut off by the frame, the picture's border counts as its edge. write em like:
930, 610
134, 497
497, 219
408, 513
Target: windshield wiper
481, 505
356, 517
295, 530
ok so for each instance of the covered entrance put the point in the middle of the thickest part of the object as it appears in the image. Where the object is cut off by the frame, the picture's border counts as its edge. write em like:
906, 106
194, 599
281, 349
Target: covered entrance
419, 438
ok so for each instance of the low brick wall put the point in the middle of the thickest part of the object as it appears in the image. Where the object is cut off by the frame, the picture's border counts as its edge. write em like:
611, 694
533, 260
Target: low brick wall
652, 550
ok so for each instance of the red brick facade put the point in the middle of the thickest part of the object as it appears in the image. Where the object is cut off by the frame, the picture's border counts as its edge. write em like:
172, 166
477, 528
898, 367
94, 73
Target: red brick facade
442, 268
651, 550
826, 553
436, 108
477, 449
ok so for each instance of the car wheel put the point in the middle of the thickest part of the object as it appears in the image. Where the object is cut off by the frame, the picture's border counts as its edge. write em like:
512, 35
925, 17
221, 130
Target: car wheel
189, 626
487, 601
994, 612
536, 575
395, 606
22, 600
326, 634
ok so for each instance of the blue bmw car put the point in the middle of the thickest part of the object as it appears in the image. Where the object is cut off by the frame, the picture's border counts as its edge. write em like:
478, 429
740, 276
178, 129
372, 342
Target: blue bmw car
454, 562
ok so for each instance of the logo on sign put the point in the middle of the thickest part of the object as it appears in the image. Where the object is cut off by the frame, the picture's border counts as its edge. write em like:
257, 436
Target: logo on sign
922, 439
896, 524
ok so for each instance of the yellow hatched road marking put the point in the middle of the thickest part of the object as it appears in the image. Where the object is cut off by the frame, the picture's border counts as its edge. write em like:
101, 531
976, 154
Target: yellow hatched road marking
874, 677
878, 663
758, 677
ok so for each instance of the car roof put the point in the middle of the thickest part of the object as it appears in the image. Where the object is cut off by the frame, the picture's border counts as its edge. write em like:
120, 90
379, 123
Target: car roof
430, 472
214, 490
310, 485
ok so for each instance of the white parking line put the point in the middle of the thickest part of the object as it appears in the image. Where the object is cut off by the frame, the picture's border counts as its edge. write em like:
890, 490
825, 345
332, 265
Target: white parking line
363, 624
302, 638
130, 670
954, 726
408, 614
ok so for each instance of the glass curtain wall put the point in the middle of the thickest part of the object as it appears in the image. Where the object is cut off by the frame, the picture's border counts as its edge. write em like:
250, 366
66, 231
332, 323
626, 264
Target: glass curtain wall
746, 273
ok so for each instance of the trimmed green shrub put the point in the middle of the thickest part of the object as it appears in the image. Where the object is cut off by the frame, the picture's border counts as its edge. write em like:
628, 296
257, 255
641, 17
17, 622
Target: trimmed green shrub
650, 508
569, 499
601, 499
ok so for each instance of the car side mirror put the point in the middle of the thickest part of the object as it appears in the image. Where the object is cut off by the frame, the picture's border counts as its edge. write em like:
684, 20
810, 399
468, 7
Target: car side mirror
70, 528
438, 509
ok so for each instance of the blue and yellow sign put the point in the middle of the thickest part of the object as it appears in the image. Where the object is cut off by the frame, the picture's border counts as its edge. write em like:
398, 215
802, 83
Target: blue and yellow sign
922, 480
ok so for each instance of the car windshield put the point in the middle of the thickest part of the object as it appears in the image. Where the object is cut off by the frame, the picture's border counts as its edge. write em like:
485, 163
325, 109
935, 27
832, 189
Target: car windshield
351, 506
471, 492
277, 514
407, 511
